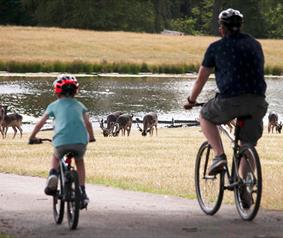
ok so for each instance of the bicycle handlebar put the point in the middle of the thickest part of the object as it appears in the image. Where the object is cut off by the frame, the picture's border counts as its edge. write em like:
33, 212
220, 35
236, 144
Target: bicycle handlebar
199, 104
38, 140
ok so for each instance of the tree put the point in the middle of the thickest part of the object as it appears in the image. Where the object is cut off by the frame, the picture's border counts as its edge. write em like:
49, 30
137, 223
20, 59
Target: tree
12, 12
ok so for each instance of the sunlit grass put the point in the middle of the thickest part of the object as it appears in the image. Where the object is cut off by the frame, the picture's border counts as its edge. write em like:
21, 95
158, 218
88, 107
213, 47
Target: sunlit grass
45, 45
162, 164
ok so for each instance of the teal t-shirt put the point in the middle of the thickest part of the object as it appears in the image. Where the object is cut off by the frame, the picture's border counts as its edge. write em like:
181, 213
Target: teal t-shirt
69, 122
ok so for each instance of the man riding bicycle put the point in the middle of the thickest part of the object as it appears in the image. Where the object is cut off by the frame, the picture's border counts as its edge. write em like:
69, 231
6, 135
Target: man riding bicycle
238, 63
72, 132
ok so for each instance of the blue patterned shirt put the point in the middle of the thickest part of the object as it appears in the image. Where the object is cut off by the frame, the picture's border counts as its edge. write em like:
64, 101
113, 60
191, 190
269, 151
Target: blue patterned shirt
239, 65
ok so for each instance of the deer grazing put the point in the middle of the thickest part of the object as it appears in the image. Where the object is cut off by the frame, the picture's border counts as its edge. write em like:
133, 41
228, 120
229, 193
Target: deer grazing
13, 120
123, 123
110, 123
150, 121
2, 115
273, 122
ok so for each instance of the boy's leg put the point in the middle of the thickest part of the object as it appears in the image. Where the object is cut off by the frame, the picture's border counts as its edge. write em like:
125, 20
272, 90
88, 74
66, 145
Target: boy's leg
81, 171
52, 180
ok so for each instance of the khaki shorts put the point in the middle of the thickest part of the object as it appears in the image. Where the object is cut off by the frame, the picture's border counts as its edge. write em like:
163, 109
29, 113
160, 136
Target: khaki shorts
77, 149
222, 110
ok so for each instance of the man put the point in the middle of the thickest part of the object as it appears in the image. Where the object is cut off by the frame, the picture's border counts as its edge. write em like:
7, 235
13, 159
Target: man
238, 62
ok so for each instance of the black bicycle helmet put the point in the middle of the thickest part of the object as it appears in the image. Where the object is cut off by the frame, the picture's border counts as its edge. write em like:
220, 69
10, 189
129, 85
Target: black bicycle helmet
231, 18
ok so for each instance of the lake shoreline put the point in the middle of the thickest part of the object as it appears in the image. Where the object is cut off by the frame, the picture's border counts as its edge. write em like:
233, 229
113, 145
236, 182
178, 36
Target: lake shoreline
115, 75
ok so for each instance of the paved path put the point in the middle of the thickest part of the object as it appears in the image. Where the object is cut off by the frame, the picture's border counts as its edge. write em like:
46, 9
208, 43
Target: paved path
26, 212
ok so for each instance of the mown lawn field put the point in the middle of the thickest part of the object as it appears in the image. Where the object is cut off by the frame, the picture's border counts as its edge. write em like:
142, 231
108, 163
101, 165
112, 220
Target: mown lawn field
162, 164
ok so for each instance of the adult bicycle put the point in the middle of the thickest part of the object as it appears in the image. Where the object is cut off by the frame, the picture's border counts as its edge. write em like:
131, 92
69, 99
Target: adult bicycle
246, 183
68, 190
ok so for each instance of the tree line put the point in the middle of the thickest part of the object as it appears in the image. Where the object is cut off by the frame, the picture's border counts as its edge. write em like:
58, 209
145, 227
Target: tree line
262, 18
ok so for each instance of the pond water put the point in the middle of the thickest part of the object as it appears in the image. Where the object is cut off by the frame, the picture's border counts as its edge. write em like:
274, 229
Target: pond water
30, 96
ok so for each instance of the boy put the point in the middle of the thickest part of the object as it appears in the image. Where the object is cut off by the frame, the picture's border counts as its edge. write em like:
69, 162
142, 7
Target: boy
72, 131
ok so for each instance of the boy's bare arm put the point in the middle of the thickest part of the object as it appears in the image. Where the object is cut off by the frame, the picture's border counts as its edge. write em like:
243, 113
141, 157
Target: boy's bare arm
89, 127
39, 125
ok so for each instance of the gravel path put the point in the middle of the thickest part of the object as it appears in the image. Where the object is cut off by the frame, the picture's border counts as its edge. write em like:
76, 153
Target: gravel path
26, 212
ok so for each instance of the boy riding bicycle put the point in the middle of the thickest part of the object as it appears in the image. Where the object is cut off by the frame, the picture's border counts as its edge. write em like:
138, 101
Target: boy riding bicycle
72, 131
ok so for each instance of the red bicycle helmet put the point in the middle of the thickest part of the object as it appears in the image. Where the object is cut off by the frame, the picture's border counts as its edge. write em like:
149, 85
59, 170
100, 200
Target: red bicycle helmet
66, 84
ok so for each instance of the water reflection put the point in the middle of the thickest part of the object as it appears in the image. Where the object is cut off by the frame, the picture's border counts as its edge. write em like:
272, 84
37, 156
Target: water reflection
30, 96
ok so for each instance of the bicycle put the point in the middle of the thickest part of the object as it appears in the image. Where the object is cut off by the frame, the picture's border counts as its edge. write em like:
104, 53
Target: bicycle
68, 190
210, 189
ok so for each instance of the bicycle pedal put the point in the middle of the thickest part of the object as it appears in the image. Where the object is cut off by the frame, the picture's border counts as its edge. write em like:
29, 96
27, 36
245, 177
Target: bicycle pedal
84, 206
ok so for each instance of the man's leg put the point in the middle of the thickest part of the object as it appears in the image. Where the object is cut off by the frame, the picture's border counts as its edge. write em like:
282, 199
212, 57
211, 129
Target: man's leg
211, 133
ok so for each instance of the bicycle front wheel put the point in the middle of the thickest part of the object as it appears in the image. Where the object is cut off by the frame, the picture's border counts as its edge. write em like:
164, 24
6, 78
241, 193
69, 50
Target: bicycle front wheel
209, 189
73, 199
58, 202
248, 192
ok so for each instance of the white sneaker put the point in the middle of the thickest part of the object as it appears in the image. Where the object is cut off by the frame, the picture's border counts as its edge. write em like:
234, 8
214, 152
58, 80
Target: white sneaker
51, 185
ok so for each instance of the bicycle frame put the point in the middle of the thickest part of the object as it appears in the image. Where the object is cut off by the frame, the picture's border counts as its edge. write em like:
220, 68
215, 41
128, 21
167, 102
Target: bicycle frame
65, 164
68, 191
236, 147
244, 177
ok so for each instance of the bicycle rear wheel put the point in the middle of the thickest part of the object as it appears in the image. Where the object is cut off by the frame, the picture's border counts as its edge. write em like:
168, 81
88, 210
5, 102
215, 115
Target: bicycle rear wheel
58, 202
73, 199
209, 189
248, 193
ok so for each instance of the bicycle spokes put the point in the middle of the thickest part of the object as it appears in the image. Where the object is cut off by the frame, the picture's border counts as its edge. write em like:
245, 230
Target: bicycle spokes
209, 189
248, 191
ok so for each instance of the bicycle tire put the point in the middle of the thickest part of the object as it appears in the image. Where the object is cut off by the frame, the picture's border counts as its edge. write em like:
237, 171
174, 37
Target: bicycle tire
58, 202
73, 201
252, 184
209, 189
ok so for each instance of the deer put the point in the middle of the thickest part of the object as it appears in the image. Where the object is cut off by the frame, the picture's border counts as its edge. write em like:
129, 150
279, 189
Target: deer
13, 120
123, 123
150, 121
110, 121
279, 127
273, 122
2, 115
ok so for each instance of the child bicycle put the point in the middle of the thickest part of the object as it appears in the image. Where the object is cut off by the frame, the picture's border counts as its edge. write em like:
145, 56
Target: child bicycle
68, 190
247, 188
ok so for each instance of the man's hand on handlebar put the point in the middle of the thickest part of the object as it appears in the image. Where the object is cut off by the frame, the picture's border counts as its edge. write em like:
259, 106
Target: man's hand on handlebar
190, 104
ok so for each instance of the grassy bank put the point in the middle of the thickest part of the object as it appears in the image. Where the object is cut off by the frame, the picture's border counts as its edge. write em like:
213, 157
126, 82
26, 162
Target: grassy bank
34, 49
163, 164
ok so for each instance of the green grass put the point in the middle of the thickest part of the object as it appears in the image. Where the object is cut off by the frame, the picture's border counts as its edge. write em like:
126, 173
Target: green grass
5, 236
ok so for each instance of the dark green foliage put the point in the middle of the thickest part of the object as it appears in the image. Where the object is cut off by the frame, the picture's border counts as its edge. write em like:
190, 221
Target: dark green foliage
263, 18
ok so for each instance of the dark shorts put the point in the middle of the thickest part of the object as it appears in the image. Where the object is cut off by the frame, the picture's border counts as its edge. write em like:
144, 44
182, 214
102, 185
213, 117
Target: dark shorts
222, 110
77, 149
